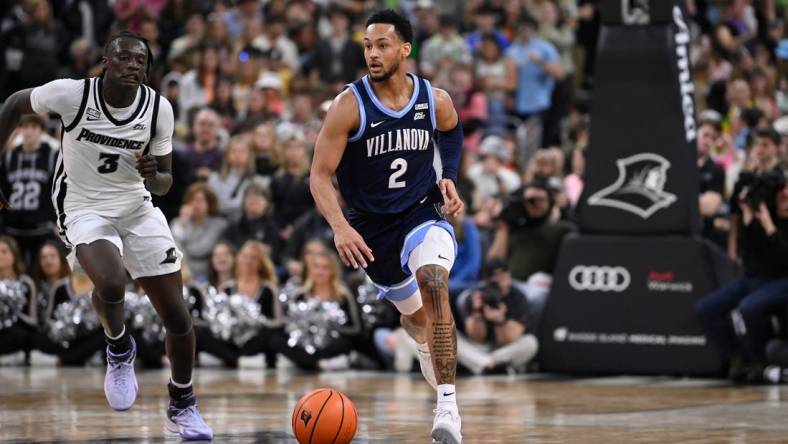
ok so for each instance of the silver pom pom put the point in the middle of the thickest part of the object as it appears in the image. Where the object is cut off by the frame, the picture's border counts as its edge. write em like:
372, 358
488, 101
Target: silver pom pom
12, 302
235, 318
371, 308
289, 292
312, 324
77, 317
191, 302
73, 319
141, 316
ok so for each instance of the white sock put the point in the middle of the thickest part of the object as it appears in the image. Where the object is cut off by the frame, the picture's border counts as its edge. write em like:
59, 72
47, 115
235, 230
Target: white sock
114, 338
447, 396
179, 385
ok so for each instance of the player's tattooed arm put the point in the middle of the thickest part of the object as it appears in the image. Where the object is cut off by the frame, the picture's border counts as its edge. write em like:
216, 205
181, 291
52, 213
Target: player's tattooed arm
14, 107
157, 172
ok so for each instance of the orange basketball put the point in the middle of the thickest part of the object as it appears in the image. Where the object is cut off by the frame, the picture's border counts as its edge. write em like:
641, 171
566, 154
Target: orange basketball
324, 416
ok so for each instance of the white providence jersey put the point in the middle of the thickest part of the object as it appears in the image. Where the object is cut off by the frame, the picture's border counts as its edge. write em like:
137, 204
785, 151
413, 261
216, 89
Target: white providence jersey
96, 169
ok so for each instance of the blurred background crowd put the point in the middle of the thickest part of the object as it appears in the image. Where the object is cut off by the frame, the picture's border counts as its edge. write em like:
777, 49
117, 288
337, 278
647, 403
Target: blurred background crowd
250, 82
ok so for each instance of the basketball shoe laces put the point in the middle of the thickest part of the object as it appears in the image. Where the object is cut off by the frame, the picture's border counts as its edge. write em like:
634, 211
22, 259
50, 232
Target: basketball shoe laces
120, 365
440, 412
189, 418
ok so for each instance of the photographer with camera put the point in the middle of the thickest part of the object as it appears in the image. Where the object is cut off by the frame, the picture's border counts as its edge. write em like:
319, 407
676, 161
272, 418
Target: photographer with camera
762, 162
495, 318
525, 235
737, 317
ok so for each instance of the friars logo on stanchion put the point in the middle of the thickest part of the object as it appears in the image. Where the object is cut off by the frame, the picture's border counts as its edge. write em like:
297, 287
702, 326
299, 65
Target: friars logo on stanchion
595, 278
639, 188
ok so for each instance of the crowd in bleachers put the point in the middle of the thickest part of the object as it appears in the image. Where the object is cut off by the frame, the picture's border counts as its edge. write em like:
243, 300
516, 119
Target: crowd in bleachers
250, 82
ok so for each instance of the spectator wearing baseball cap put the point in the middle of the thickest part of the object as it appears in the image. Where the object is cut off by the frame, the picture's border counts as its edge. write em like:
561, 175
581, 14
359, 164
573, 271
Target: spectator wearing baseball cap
271, 85
492, 177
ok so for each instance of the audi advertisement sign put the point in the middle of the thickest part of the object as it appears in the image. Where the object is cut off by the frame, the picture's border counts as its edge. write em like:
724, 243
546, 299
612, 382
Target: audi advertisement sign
623, 304
599, 278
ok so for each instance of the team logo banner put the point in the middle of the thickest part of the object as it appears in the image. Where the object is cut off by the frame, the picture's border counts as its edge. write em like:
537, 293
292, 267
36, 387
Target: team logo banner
639, 188
641, 173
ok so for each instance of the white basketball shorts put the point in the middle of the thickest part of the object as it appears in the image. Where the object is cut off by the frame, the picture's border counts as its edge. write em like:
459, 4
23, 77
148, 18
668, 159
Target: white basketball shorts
142, 237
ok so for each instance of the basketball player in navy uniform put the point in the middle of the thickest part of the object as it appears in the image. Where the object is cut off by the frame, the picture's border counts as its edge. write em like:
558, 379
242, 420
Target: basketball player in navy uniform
378, 139
116, 150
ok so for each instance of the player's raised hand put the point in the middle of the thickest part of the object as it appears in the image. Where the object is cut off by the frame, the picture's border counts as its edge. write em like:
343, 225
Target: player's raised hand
353, 251
146, 165
452, 204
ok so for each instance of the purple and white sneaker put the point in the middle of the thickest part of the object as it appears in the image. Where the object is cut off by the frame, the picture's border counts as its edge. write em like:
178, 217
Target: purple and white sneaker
120, 383
187, 423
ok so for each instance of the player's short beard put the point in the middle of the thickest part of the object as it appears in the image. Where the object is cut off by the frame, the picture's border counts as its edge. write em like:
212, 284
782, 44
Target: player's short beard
386, 75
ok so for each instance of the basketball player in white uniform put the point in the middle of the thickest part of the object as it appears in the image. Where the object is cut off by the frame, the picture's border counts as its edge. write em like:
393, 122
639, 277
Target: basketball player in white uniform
116, 150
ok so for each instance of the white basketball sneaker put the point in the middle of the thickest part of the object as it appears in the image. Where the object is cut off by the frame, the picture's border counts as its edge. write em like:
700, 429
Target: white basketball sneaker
446, 426
120, 383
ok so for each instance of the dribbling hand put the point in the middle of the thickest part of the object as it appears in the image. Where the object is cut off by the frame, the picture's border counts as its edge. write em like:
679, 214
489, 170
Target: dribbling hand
452, 204
353, 251
146, 165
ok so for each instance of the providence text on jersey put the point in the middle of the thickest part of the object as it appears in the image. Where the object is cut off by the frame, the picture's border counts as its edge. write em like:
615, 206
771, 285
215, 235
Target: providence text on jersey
101, 139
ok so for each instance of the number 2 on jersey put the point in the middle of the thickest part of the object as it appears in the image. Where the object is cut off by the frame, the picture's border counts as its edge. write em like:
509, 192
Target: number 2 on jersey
400, 166
110, 164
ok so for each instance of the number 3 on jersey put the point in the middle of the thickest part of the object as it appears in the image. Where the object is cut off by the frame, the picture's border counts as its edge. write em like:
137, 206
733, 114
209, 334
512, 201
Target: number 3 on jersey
110, 164
400, 166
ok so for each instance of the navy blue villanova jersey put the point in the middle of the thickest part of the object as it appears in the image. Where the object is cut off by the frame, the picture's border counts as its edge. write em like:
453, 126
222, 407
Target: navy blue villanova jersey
387, 166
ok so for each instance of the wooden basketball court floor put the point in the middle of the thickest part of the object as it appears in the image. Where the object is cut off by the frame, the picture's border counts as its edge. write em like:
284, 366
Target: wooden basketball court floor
67, 405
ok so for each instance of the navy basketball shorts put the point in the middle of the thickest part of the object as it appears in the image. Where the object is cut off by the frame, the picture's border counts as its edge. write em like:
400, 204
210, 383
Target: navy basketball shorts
392, 238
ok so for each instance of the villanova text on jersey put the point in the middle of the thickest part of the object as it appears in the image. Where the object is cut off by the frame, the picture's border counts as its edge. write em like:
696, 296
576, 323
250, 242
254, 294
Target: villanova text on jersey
403, 140
387, 165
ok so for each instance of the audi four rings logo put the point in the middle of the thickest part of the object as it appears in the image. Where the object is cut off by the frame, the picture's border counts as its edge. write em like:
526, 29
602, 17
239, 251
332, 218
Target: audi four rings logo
595, 278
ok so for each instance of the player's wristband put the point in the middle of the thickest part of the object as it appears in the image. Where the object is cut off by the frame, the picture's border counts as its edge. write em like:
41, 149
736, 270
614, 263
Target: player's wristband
450, 148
